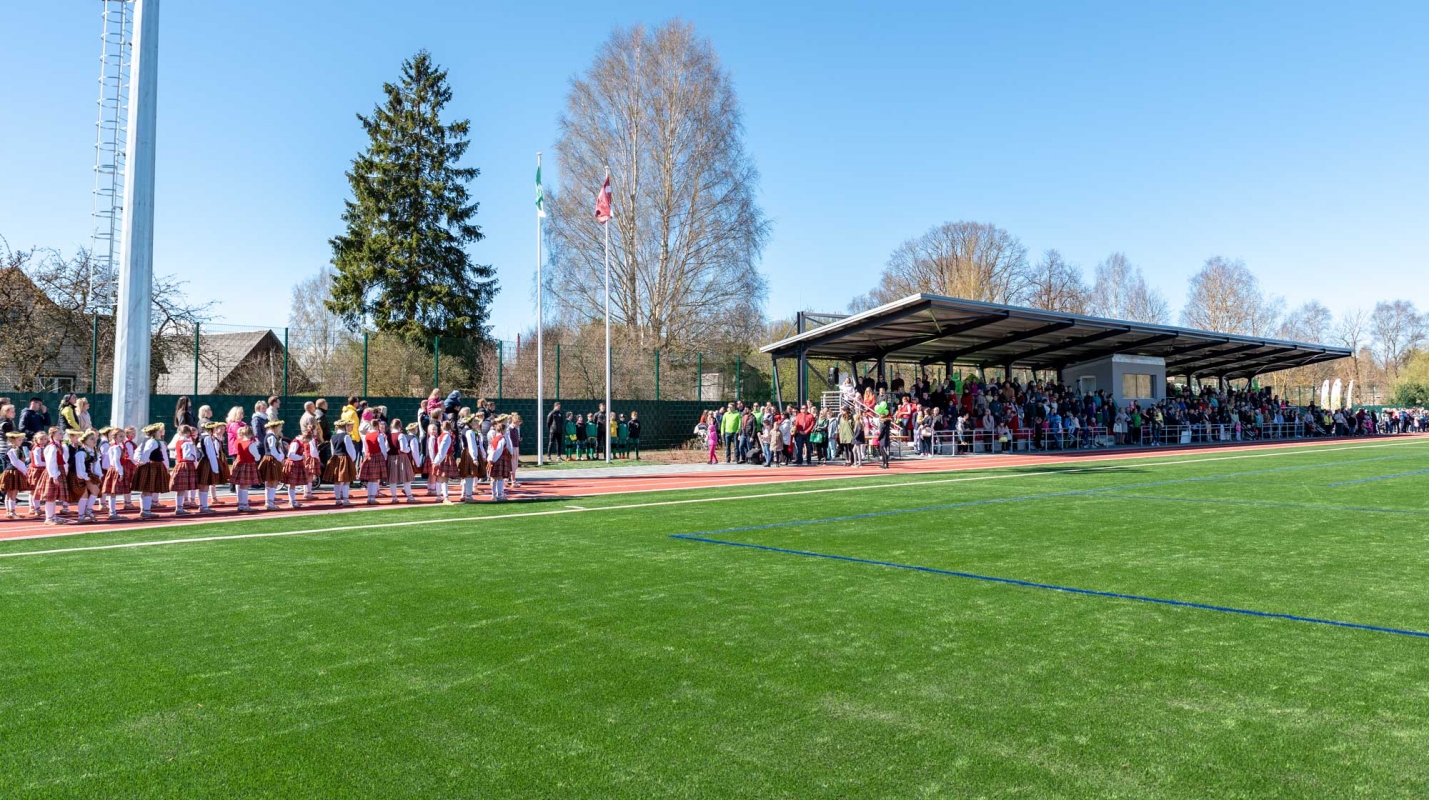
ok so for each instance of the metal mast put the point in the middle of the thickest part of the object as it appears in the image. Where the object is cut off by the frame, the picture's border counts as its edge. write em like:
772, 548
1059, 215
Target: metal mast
136, 256
111, 131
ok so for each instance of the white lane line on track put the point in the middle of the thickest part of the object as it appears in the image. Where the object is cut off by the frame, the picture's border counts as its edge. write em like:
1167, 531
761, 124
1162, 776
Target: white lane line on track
690, 501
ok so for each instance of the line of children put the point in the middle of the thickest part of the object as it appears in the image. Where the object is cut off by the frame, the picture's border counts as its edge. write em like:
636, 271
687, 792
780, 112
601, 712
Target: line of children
98, 470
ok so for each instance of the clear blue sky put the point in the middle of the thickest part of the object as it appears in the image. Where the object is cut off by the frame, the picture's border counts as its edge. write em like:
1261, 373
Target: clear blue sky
1290, 135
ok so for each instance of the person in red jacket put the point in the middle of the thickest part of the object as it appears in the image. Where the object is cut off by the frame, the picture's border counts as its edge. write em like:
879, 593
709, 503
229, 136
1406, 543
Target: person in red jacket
803, 426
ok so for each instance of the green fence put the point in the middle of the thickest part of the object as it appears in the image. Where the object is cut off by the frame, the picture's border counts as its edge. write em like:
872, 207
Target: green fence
665, 424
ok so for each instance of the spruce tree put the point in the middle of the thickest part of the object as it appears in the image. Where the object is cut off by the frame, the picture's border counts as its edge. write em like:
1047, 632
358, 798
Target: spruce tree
402, 263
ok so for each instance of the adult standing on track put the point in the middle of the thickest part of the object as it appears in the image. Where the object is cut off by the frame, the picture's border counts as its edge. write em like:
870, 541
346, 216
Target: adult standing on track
803, 426
555, 428
885, 438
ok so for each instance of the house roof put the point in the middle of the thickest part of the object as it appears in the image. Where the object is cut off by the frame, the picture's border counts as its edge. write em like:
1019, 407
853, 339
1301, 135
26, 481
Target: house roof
220, 354
931, 329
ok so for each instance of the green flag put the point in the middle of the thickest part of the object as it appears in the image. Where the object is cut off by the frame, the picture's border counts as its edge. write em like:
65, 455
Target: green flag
540, 195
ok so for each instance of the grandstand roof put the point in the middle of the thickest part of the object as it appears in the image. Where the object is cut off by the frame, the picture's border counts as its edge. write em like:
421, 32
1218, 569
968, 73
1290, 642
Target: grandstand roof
930, 329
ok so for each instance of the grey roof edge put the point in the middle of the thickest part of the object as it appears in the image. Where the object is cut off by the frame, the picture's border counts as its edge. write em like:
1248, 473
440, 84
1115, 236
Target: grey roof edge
1022, 312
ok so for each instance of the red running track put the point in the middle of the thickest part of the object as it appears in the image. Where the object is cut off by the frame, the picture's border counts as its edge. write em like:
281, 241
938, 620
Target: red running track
554, 488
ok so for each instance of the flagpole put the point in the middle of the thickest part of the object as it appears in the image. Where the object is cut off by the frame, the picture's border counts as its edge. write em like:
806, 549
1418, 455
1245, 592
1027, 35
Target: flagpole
607, 332
540, 326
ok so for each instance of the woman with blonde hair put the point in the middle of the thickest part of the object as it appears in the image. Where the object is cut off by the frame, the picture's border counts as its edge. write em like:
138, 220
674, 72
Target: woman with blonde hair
81, 413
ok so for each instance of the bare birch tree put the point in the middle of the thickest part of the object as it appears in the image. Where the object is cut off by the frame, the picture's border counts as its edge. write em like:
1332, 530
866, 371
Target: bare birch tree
1352, 331
1398, 330
1120, 292
1055, 285
971, 260
657, 107
1224, 296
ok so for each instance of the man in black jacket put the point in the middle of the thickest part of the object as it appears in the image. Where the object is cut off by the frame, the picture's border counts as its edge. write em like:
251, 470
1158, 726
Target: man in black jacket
555, 427
34, 419
633, 433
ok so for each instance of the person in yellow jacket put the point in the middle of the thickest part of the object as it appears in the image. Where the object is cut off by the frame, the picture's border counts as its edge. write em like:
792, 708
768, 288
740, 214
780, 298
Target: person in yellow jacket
351, 415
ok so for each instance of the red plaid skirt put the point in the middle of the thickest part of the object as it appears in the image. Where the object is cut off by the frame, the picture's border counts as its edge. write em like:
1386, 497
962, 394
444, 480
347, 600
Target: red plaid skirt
314, 467
339, 470
151, 477
56, 489
33, 478
13, 481
184, 477
500, 468
114, 483
444, 470
295, 473
270, 470
374, 468
245, 474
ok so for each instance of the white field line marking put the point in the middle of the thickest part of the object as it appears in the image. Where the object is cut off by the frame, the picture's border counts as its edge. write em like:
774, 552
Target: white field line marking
688, 501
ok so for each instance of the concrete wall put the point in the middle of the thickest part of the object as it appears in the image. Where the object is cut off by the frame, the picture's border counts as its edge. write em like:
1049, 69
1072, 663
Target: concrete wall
1108, 375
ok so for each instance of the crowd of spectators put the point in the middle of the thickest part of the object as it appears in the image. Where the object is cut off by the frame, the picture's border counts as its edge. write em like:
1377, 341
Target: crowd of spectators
972, 414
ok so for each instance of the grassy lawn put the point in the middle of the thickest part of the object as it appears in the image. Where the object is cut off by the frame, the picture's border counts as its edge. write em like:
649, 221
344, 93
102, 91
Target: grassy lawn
535, 649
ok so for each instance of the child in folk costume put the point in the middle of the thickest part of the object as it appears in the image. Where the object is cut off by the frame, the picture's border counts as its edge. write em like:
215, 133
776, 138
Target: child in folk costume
93, 472
341, 468
295, 467
37, 468
130, 440
440, 459
313, 464
77, 468
497, 457
116, 474
151, 476
213, 468
471, 463
270, 466
183, 481
245, 464
16, 477
52, 487
374, 461
513, 448
403, 460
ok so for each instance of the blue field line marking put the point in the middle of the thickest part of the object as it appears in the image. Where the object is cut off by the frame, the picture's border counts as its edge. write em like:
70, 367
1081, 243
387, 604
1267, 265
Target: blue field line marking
691, 537
1042, 496
1380, 477
1276, 504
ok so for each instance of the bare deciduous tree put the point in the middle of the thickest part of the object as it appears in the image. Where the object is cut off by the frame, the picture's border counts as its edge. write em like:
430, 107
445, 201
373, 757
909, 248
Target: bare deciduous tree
318, 335
1055, 285
1120, 292
50, 304
1224, 296
657, 107
1398, 329
971, 260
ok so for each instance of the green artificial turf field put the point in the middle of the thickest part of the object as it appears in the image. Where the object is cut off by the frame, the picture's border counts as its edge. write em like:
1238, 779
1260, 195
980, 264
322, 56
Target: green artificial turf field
539, 650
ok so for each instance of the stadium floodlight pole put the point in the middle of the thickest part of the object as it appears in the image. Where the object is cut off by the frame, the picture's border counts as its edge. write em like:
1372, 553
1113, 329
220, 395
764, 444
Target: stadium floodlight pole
607, 327
541, 432
136, 260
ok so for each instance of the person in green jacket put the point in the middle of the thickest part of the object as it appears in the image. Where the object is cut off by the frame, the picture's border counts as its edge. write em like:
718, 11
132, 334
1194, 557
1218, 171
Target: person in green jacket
729, 428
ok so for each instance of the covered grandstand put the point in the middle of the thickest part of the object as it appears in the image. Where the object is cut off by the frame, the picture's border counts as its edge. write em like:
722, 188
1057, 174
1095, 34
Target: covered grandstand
930, 330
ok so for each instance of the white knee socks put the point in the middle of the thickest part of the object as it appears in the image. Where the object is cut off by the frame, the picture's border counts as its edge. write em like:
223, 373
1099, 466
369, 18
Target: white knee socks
467, 485
146, 501
372, 489
270, 494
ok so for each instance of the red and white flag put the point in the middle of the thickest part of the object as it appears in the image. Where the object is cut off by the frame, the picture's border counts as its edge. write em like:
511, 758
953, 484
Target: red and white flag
602, 202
